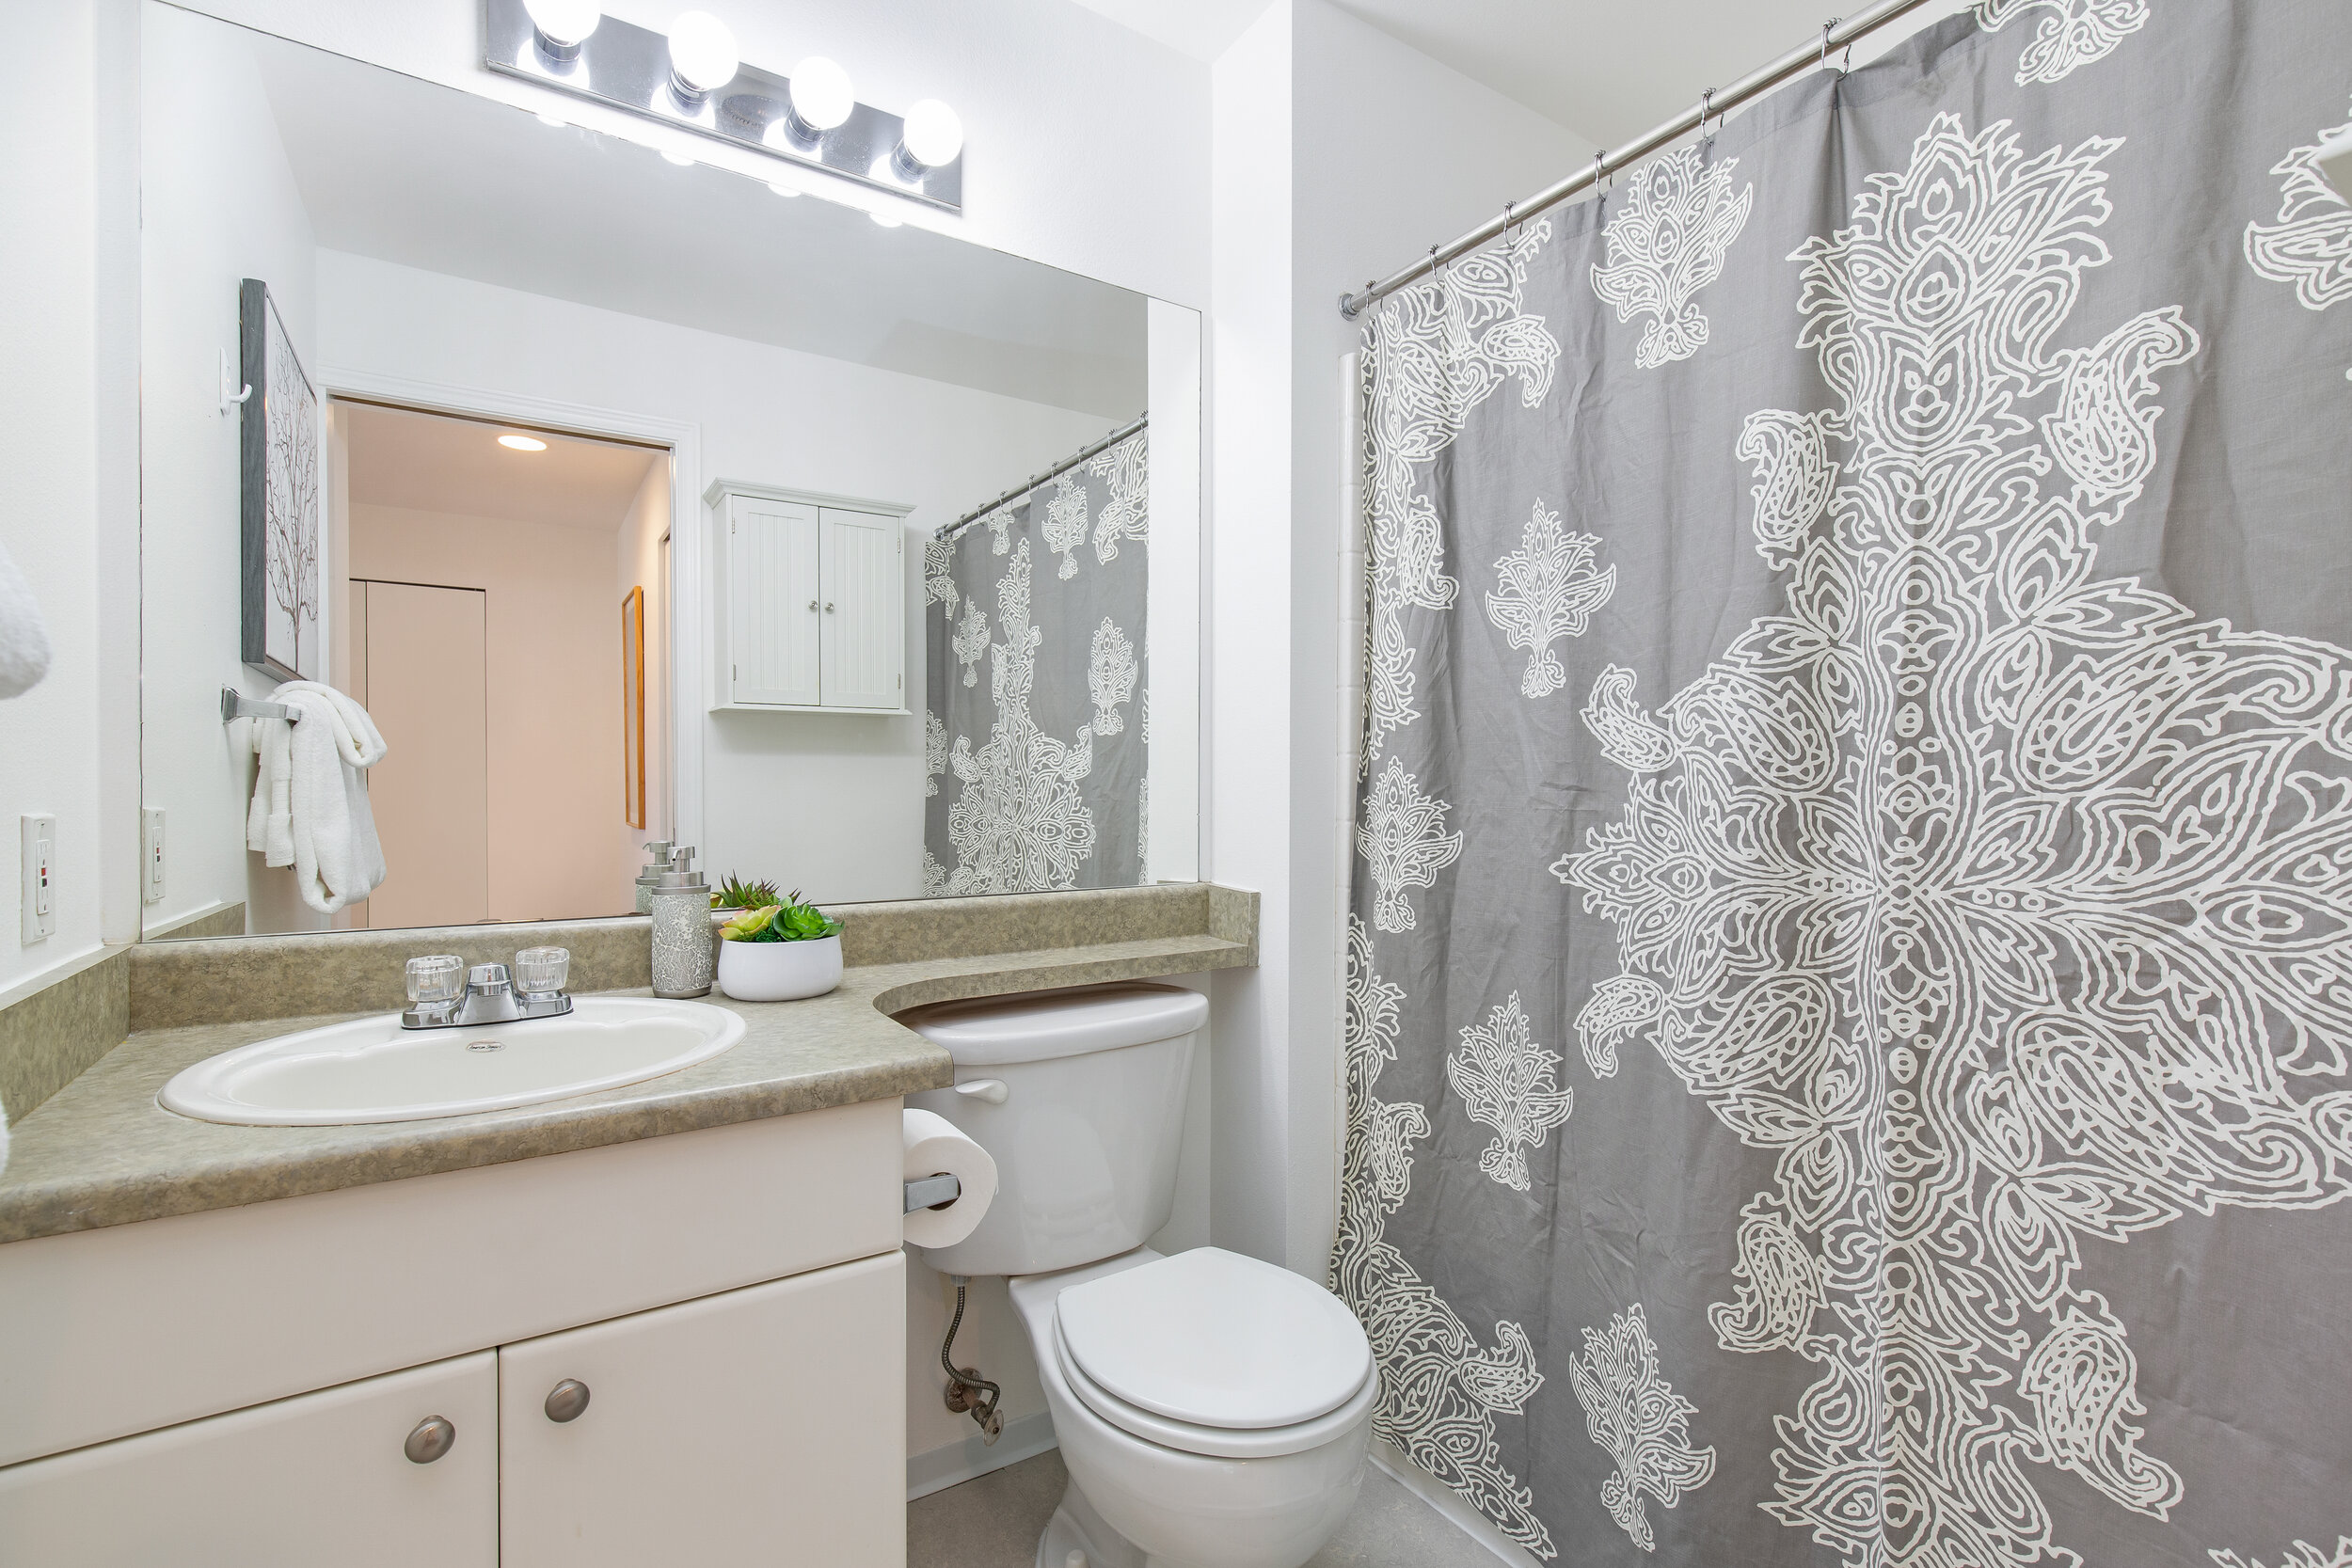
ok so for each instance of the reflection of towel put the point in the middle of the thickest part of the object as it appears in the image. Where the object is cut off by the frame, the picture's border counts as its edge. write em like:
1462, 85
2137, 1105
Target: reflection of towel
23, 642
309, 810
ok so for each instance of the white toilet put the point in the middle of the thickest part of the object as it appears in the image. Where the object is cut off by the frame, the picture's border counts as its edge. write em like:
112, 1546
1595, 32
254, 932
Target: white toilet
1213, 1410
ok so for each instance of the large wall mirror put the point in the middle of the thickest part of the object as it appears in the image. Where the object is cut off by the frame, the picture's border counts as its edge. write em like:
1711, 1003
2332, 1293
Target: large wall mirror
590, 499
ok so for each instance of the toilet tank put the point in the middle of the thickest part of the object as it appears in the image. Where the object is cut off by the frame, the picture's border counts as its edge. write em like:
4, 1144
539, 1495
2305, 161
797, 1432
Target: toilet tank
1085, 1128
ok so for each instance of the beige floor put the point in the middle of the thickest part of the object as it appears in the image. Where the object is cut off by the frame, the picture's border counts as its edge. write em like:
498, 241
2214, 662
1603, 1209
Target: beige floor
994, 1522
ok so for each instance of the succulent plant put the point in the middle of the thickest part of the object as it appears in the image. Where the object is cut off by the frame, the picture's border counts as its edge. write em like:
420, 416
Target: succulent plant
786, 920
735, 894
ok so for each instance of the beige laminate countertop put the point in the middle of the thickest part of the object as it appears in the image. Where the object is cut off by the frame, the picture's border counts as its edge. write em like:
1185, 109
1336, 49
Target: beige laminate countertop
103, 1152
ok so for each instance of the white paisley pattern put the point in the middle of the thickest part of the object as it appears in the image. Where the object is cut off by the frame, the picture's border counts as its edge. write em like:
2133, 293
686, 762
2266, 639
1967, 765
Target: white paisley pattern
934, 752
1679, 220
971, 640
1403, 835
1065, 526
2310, 244
1110, 677
2071, 33
939, 580
999, 524
1549, 590
1638, 1417
1506, 1082
1439, 1388
1125, 513
2301, 1554
1020, 824
2004, 904
1433, 353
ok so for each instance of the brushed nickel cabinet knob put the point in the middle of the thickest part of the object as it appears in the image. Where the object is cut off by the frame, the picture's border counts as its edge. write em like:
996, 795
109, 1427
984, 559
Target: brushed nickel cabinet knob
567, 1400
431, 1437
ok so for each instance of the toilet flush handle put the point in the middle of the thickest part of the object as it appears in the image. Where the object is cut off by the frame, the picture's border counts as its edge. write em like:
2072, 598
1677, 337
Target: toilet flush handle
991, 1090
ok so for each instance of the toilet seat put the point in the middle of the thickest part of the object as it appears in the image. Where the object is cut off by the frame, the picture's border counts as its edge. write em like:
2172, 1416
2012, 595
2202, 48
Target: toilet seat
1215, 1354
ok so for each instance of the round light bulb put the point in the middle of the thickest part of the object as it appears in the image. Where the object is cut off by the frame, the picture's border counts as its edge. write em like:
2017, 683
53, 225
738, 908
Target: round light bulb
933, 135
821, 95
702, 52
523, 443
563, 23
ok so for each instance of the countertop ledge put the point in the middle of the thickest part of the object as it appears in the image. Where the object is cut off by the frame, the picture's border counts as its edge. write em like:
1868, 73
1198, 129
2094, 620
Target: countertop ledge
101, 1152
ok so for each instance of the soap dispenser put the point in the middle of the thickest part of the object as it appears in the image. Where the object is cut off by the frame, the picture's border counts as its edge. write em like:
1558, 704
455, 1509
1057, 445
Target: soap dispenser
656, 865
685, 949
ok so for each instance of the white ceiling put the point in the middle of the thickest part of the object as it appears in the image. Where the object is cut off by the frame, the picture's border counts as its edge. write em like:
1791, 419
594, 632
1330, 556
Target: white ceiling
1607, 69
406, 171
432, 463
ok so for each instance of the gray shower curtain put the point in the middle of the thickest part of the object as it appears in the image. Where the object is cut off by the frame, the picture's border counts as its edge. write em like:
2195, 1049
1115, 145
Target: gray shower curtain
1036, 723
1850, 976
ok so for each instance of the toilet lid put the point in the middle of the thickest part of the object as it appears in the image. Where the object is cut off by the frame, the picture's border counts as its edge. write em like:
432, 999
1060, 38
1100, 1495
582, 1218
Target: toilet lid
1216, 1339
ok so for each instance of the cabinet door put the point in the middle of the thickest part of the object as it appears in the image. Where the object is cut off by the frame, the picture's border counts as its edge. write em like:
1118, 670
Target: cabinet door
774, 591
865, 657
765, 1425
296, 1483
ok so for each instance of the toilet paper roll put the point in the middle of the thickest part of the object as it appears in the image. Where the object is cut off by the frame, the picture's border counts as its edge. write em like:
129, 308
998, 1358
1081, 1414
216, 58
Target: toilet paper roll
935, 1146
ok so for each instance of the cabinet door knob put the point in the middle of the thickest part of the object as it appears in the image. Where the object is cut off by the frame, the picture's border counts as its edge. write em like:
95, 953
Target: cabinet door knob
567, 1400
433, 1437
812, 604
829, 609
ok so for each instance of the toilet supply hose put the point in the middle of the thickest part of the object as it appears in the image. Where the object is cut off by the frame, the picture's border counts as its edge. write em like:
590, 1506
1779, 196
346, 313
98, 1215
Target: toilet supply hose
966, 1388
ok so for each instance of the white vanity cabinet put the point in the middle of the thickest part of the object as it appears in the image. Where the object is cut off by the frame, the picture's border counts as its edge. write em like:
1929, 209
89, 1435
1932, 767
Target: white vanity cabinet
812, 601
713, 1432
319, 1479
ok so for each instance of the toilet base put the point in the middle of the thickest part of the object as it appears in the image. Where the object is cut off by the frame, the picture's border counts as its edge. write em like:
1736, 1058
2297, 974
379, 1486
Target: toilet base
1077, 1528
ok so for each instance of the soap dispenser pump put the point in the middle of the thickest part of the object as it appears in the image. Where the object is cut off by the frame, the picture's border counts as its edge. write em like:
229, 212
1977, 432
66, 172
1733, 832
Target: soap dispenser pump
657, 866
685, 948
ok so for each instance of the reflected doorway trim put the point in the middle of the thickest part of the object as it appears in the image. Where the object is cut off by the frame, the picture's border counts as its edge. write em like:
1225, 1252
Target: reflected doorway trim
688, 612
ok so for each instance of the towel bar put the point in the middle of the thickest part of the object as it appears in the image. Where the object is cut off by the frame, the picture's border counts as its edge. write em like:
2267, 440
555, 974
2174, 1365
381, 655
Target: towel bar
234, 705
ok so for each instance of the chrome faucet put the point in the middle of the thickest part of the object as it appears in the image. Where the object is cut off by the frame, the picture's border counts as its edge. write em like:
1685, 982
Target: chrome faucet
444, 994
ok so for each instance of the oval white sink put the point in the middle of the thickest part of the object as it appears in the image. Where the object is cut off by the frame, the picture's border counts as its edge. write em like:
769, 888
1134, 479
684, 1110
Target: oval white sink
372, 1069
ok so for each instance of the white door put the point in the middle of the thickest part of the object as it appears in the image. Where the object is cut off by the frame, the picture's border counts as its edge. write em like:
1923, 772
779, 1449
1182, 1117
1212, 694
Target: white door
429, 693
318, 1479
774, 602
864, 598
767, 1425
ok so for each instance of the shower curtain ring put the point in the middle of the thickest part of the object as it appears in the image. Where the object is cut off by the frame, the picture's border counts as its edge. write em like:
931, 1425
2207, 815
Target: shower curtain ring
1600, 170
1827, 28
1706, 106
1506, 223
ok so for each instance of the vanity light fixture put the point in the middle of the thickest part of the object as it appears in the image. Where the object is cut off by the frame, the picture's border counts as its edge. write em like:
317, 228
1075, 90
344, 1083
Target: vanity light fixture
817, 99
523, 443
691, 77
562, 26
932, 138
703, 56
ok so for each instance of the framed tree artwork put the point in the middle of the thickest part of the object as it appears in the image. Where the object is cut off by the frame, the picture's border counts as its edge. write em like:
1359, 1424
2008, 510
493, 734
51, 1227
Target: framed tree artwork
279, 477
633, 707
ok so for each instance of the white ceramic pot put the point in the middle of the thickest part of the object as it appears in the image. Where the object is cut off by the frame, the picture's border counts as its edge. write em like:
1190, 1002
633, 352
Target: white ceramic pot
779, 971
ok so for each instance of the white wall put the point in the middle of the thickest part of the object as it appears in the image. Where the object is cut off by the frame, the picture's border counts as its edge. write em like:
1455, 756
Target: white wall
1319, 182
220, 206
69, 432
553, 657
1087, 144
829, 803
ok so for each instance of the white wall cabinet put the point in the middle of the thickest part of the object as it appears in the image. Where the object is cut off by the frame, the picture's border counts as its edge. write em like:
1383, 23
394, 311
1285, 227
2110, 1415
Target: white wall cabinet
319, 1479
813, 591
742, 1427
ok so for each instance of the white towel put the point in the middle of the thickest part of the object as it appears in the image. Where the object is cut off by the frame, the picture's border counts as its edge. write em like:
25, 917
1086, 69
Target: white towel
310, 809
23, 642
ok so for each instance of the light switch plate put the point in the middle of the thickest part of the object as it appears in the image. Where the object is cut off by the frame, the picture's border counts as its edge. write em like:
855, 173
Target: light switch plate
152, 840
39, 874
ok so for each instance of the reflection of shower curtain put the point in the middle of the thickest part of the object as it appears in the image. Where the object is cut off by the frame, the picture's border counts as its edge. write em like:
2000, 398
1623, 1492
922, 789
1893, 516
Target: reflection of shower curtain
1035, 723
1851, 970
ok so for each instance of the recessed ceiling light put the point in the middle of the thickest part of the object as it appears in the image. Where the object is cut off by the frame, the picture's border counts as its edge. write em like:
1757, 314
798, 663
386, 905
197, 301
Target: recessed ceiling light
523, 443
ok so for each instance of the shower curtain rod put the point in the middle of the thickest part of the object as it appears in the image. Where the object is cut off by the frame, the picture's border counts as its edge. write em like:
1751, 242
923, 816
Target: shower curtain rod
1837, 33
1056, 471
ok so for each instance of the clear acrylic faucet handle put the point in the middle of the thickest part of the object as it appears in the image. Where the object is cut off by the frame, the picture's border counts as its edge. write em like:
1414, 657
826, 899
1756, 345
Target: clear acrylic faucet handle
541, 970
438, 978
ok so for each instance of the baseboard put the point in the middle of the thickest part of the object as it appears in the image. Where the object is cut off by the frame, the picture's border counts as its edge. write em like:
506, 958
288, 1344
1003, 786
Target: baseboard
1024, 1437
1437, 1495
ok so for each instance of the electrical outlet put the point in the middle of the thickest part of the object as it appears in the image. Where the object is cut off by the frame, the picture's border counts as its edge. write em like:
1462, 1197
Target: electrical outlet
41, 875
152, 836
